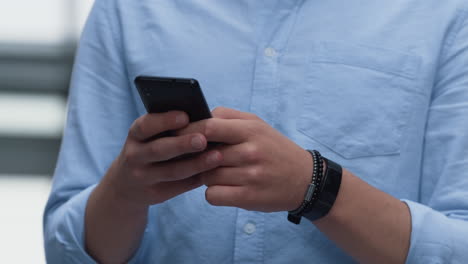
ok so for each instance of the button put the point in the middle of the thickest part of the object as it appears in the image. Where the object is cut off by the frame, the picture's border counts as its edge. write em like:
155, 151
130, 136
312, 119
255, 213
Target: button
249, 228
270, 52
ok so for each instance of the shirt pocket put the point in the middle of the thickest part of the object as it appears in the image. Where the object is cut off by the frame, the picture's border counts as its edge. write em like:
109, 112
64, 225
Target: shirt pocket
357, 99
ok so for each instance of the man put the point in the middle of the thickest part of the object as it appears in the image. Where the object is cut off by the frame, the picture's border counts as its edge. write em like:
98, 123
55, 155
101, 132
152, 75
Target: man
378, 87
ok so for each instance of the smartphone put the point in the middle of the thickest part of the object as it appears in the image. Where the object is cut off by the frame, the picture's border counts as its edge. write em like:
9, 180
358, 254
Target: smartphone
164, 94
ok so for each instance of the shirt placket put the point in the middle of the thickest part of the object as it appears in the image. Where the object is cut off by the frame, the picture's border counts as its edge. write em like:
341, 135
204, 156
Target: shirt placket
273, 27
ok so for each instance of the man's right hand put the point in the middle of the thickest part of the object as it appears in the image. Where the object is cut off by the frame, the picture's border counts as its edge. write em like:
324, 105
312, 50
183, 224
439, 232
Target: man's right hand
144, 172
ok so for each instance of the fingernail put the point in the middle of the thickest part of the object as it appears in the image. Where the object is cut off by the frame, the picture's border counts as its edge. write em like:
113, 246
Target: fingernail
181, 119
213, 158
197, 142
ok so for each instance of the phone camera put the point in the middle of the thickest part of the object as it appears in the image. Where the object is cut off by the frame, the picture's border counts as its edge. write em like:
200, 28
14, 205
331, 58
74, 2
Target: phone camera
146, 91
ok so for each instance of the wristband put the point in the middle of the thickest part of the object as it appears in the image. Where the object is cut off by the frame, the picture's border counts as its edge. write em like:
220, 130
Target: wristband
329, 192
312, 190
322, 191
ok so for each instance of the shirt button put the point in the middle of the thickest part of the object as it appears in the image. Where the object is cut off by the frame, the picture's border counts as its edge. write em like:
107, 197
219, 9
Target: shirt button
270, 52
249, 228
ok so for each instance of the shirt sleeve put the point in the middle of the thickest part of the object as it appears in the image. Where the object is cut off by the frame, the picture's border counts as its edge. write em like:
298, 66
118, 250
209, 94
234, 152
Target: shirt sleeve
100, 111
440, 222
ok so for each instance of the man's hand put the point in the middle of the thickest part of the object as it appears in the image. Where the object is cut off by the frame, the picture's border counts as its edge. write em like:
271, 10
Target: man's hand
144, 173
262, 170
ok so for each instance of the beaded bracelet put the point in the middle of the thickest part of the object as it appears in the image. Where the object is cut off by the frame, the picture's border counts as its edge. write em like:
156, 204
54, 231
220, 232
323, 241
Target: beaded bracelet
331, 182
313, 189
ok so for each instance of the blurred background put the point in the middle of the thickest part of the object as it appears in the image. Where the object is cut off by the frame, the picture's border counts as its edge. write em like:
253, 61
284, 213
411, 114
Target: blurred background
37, 46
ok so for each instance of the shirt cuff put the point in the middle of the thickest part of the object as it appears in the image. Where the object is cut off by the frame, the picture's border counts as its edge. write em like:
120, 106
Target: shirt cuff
430, 237
66, 243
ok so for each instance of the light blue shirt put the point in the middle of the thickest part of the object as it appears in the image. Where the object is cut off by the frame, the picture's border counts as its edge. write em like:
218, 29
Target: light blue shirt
380, 87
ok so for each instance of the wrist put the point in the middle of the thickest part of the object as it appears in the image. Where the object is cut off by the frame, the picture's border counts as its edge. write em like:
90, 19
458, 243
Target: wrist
114, 200
116, 194
301, 180
313, 190
336, 212
331, 183
322, 190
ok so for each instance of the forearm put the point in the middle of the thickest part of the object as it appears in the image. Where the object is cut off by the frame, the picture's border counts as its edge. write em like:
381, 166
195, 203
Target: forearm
367, 223
113, 228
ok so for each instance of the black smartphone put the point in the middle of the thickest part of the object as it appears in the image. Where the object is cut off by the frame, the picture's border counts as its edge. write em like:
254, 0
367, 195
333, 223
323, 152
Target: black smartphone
163, 94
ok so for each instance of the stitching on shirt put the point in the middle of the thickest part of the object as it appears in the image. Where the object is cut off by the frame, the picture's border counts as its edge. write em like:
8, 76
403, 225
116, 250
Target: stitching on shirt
449, 42
463, 19
409, 68
363, 66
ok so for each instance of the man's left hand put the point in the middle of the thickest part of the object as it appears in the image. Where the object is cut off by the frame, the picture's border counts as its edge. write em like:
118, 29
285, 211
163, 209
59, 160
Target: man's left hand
262, 170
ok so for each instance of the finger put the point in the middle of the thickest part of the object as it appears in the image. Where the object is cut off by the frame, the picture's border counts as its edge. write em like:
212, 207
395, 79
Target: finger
184, 168
149, 125
166, 190
170, 147
229, 131
240, 154
219, 195
228, 176
229, 113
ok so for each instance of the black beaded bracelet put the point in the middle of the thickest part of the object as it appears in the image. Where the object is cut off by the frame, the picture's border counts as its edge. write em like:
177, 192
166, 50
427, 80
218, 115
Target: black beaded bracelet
331, 184
313, 189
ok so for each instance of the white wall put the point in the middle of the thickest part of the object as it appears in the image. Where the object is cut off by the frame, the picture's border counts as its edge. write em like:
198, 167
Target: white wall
41, 21
22, 197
